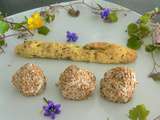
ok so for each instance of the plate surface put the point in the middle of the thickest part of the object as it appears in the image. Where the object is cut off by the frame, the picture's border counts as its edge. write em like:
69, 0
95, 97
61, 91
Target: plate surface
90, 28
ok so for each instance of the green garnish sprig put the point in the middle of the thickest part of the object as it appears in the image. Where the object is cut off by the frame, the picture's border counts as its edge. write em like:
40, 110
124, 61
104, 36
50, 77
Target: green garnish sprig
19, 27
145, 27
96, 9
141, 29
139, 112
22, 29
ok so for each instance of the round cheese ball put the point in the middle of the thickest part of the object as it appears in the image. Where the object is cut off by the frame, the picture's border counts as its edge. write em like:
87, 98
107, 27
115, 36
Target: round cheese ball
118, 85
76, 83
29, 80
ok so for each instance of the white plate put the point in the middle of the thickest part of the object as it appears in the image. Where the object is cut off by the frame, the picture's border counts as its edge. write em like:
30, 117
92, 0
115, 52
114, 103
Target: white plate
14, 106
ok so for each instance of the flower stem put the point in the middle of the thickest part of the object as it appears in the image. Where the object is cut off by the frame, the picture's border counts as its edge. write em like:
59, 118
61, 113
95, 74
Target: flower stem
1, 50
94, 8
28, 30
155, 64
45, 100
74, 3
157, 118
25, 28
6, 36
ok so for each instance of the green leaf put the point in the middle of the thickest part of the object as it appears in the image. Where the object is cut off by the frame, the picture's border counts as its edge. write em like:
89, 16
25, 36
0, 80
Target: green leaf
17, 26
43, 30
4, 27
113, 17
134, 42
144, 19
150, 48
26, 18
49, 18
155, 76
2, 43
132, 29
138, 113
143, 31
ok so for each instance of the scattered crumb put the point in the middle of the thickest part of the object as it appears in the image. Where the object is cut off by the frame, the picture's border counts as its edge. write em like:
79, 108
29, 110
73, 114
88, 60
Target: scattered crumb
9, 65
125, 14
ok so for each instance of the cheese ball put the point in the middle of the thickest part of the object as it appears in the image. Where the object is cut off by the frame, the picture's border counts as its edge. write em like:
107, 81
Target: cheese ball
118, 85
76, 83
29, 80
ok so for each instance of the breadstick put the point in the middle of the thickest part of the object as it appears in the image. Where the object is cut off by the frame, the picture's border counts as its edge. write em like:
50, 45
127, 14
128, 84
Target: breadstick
97, 52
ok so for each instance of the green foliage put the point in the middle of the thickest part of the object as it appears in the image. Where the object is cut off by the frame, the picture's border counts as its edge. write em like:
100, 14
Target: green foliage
134, 42
43, 30
144, 19
17, 26
155, 76
49, 18
4, 27
2, 42
132, 29
136, 33
150, 48
113, 17
140, 30
144, 31
138, 113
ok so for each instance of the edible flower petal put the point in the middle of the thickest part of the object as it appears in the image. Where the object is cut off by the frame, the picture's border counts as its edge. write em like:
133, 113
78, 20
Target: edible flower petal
105, 13
35, 21
51, 109
71, 36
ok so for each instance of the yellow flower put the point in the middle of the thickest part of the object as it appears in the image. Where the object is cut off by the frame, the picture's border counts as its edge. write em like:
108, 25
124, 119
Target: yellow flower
35, 21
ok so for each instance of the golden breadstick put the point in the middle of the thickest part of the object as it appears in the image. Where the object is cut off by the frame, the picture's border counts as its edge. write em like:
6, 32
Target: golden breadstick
97, 52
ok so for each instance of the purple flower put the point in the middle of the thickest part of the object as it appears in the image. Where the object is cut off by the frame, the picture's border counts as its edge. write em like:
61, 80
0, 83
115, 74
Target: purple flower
71, 36
51, 109
105, 13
